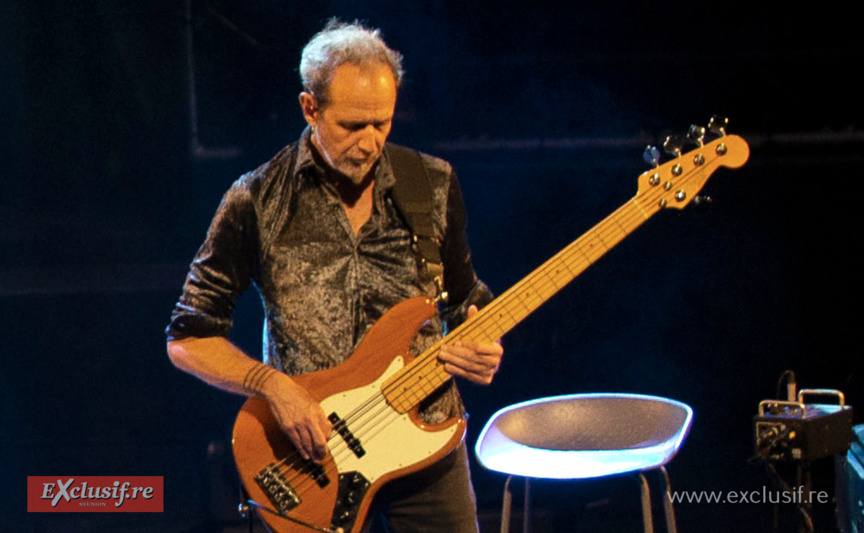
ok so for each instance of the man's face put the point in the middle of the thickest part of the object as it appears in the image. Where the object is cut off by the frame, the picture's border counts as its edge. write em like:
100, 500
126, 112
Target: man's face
350, 129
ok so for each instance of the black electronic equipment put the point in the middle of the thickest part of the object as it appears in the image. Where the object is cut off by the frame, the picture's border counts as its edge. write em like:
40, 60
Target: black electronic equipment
801, 432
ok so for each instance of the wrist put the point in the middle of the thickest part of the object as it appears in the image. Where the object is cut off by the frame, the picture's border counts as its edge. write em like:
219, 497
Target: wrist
260, 381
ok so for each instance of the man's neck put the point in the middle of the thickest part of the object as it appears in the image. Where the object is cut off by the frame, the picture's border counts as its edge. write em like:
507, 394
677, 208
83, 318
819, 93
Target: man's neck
349, 192
356, 198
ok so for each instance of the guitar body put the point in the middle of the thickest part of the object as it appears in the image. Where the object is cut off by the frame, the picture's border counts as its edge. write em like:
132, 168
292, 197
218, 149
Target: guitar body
376, 443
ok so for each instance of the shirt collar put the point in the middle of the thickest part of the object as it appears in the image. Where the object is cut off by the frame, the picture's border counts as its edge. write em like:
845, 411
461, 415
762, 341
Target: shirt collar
307, 164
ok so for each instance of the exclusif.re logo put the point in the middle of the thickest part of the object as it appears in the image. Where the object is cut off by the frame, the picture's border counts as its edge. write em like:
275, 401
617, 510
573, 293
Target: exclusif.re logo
87, 494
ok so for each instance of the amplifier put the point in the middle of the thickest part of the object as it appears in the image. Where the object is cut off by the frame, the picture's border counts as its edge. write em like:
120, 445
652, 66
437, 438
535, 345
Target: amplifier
798, 431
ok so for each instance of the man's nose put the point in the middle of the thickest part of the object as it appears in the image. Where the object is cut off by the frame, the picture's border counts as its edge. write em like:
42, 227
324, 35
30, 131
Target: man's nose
369, 140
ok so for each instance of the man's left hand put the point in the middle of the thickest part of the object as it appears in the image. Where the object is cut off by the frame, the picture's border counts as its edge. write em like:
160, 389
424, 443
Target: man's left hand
475, 361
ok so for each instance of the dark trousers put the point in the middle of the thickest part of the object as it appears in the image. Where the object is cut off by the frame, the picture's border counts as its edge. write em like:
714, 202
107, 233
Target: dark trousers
437, 499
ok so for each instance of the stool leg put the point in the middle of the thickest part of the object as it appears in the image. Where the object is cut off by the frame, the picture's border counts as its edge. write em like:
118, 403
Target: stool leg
506, 506
526, 507
647, 519
671, 526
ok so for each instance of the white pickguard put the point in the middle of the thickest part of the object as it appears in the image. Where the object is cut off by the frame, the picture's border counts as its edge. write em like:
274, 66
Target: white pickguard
391, 442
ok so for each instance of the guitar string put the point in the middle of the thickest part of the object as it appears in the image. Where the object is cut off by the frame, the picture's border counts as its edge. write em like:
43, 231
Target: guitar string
637, 215
539, 279
307, 469
340, 443
303, 478
356, 424
338, 446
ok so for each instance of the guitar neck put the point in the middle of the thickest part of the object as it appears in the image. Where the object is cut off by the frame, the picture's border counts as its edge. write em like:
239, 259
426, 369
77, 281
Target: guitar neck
425, 373
673, 184
506, 311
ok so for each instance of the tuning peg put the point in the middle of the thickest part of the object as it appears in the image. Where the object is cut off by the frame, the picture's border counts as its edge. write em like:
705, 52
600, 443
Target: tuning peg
696, 135
651, 155
673, 145
717, 125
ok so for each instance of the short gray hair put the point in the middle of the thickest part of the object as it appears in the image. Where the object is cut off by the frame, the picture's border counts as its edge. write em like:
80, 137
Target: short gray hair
340, 43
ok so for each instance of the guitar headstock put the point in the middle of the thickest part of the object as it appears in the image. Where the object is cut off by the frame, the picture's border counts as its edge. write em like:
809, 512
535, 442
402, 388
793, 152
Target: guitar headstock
677, 182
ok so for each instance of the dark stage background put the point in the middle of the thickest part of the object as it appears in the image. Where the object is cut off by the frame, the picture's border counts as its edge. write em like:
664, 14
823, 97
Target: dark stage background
123, 123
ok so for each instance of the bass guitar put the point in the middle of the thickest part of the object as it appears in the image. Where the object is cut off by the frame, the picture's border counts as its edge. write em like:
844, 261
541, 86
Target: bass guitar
372, 398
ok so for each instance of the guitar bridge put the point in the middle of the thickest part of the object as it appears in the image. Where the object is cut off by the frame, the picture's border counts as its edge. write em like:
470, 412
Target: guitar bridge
280, 492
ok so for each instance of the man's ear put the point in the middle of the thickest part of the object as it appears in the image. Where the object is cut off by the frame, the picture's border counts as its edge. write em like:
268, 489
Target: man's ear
309, 106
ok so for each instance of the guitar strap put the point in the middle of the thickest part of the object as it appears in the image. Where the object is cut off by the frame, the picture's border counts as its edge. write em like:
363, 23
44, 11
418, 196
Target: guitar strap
412, 195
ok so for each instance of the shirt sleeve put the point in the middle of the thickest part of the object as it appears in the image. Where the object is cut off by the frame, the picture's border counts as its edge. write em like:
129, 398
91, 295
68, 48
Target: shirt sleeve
221, 271
461, 282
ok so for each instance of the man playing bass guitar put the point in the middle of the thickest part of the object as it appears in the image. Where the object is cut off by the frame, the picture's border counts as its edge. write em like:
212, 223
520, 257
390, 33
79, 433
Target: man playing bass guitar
323, 238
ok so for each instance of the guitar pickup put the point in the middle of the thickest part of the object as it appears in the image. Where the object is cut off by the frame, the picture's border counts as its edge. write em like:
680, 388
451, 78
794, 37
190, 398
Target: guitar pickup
341, 428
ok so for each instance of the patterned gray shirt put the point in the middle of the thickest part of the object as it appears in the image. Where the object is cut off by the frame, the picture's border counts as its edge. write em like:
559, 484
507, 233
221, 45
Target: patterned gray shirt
282, 228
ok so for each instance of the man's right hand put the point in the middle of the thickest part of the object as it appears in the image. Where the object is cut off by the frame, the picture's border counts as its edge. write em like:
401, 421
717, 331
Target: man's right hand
300, 417
221, 364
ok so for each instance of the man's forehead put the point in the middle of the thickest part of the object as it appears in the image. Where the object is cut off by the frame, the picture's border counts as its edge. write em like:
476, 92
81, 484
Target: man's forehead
362, 85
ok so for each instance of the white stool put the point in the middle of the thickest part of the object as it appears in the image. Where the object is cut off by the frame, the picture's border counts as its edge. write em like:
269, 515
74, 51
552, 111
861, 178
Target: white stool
582, 436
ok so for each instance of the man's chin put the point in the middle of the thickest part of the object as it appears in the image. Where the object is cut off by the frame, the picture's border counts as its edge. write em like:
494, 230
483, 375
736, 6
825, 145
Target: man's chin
356, 174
